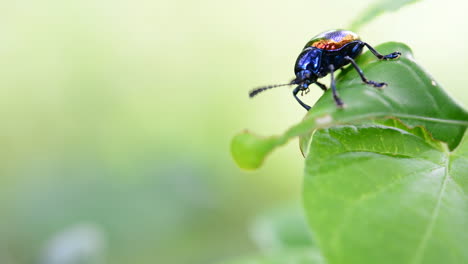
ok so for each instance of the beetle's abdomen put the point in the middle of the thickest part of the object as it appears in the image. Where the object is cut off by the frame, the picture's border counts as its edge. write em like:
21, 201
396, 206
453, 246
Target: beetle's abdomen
332, 40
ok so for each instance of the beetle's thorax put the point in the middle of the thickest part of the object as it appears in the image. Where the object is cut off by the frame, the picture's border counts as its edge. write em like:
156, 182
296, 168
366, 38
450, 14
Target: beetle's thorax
308, 62
315, 62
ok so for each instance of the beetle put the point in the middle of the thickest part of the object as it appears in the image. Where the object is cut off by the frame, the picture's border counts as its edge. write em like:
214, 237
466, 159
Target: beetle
323, 55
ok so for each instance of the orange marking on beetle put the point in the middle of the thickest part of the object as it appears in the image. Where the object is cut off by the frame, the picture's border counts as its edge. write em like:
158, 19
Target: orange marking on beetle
328, 44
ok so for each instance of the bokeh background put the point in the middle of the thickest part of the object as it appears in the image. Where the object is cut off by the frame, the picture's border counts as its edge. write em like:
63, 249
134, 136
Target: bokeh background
116, 119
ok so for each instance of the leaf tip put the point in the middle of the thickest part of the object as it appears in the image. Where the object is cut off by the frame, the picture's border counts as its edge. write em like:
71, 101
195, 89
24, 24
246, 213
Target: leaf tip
249, 150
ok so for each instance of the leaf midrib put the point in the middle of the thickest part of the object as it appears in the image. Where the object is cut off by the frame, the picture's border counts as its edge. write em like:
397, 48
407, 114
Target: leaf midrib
298, 131
399, 115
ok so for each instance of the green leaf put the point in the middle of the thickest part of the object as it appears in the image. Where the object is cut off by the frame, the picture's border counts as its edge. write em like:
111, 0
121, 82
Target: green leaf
378, 8
412, 96
380, 194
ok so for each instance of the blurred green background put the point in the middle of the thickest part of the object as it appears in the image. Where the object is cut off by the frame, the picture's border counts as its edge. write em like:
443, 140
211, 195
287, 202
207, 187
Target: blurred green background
117, 117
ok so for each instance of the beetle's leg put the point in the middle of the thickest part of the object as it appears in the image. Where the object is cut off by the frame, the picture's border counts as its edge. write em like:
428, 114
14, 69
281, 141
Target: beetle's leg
322, 86
391, 56
295, 92
363, 78
336, 97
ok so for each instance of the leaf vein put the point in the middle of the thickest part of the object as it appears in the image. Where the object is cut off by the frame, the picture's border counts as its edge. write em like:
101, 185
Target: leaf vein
366, 196
418, 256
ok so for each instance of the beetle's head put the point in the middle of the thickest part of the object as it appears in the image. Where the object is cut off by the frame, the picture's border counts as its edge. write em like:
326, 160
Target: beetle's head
304, 78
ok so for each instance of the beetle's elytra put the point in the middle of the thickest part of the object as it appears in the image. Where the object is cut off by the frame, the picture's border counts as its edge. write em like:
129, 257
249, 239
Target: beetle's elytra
323, 55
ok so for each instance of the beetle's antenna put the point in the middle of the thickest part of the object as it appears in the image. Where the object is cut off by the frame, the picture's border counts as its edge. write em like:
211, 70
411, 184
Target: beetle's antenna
258, 90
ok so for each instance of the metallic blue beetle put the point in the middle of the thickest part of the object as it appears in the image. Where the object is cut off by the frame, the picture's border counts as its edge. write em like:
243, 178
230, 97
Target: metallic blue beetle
324, 54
